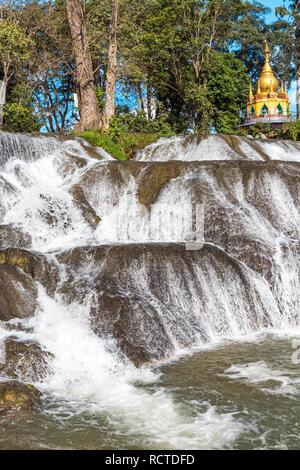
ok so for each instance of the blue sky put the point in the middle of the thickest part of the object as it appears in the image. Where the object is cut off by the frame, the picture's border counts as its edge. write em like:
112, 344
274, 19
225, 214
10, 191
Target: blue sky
273, 4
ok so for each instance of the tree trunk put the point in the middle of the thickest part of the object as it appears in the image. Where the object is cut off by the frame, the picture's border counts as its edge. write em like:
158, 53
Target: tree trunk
90, 116
298, 94
139, 88
3, 87
111, 73
149, 100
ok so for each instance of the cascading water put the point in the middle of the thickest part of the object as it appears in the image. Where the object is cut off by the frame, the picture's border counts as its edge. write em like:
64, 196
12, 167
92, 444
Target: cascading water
219, 147
119, 274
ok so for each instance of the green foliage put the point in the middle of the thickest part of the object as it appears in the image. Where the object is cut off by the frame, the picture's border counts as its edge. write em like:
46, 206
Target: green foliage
259, 128
116, 127
105, 141
14, 43
228, 85
227, 123
169, 49
100, 97
139, 123
123, 146
288, 131
294, 130
174, 60
19, 118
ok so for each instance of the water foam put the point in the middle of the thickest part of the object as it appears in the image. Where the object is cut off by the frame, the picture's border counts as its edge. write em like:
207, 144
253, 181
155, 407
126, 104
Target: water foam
216, 148
93, 380
259, 373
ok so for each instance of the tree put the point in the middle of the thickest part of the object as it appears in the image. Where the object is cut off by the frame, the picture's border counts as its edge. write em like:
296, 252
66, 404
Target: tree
171, 52
295, 39
111, 73
50, 74
90, 116
228, 85
247, 40
20, 118
15, 50
170, 57
295, 9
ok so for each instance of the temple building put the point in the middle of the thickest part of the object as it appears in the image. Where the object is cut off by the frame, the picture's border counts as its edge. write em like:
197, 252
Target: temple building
270, 105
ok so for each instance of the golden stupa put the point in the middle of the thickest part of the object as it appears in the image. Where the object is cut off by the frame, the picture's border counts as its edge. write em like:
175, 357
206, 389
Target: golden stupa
271, 102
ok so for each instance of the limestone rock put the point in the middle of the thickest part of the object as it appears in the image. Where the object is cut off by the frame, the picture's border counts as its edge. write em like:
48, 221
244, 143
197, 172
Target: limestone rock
6, 190
18, 293
14, 394
33, 264
134, 305
13, 237
154, 178
84, 206
24, 360
69, 164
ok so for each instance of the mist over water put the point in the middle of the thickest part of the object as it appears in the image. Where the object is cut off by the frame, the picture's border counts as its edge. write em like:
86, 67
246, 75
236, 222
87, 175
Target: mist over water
127, 291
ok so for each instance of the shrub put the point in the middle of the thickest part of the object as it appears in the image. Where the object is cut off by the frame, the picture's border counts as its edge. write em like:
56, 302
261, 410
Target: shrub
121, 146
105, 141
294, 130
19, 118
140, 124
128, 133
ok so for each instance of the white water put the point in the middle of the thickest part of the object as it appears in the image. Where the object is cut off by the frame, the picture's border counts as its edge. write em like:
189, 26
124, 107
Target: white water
84, 371
212, 148
259, 373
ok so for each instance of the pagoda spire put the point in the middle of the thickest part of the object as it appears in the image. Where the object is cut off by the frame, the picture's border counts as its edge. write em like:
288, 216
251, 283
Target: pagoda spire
251, 96
267, 52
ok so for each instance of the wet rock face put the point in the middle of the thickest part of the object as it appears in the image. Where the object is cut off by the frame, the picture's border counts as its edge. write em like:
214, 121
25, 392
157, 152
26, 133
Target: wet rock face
70, 164
13, 237
29, 262
25, 360
55, 211
124, 319
14, 394
153, 178
18, 293
84, 206
19, 269
6, 190
34, 265
113, 178
153, 299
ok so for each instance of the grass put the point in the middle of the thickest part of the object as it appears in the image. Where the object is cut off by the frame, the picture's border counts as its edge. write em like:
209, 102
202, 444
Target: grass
105, 141
123, 146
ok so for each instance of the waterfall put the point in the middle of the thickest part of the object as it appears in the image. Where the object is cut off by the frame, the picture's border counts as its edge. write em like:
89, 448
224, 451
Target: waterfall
218, 147
122, 277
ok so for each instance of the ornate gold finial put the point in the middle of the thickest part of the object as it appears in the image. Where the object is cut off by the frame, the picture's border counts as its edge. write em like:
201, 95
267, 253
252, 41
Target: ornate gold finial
258, 88
251, 97
267, 51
